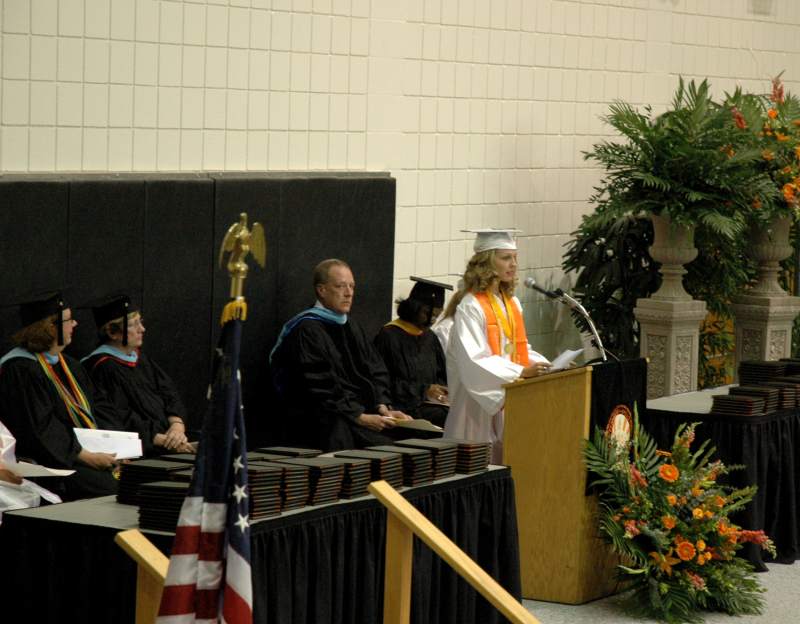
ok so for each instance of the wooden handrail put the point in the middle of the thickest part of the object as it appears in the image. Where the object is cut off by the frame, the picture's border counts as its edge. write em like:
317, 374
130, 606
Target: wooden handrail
405, 520
151, 565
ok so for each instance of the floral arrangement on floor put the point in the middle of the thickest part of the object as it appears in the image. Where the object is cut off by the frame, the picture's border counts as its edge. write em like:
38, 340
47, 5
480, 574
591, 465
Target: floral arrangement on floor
666, 515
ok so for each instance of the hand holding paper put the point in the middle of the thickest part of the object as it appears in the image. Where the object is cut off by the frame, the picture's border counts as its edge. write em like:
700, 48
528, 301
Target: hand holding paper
565, 359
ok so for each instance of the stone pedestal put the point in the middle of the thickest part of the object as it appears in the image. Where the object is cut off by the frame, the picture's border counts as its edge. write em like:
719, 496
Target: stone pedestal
669, 321
764, 326
669, 337
764, 316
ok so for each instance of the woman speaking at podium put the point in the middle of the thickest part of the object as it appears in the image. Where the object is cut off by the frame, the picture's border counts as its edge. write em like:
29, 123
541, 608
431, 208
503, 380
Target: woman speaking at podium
488, 344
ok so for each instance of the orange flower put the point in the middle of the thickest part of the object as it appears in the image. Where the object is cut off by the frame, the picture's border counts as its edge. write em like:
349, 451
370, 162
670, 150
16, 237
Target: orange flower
664, 562
672, 499
788, 191
772, 113
738, 118
780, 136
669, 473
767, 155
697, 491
697, 513
797, 151
685, 551
701, 545
709, 514
701, 559
756, 203
668, 522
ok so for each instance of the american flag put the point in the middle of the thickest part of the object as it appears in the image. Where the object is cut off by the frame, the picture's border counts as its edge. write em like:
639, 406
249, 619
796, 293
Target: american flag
209, 570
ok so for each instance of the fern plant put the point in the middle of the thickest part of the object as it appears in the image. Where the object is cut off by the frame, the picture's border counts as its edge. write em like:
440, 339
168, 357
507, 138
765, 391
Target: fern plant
689, 164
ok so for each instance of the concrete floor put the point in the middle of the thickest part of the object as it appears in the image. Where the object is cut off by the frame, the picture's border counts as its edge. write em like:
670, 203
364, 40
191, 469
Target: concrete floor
782, 599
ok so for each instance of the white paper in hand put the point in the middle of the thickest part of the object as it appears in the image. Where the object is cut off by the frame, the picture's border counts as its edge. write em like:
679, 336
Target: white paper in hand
125, 444
565, 359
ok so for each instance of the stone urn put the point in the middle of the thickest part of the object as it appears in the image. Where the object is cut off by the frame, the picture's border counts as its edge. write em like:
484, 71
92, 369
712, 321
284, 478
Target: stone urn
769, 246
673, 246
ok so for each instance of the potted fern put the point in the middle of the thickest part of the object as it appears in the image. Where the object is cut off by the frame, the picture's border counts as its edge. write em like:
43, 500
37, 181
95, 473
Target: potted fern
685, 168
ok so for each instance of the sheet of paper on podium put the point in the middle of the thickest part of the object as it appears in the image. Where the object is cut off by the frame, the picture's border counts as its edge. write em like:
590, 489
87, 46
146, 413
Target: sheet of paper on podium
125, 444
565, 359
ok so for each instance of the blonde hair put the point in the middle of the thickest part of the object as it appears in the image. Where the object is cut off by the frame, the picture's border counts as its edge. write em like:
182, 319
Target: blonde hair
478, 278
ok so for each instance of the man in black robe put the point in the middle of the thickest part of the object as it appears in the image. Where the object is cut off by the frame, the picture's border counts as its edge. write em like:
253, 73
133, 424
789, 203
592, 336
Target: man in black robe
144, 395
413, 354
333, 385
45, 393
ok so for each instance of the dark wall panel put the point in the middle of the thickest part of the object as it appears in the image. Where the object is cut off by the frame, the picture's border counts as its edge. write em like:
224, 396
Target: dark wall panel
157, 237
34, 219
106, 222
260, 198
177, 283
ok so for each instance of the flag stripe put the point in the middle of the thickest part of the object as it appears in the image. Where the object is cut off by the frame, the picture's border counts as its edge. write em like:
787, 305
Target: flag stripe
206, 578
238, 575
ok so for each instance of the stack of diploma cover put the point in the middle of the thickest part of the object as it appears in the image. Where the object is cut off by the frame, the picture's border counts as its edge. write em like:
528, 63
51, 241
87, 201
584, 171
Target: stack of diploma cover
444, 453
133, 475
417, 463
160, 504
383, 466
472, 456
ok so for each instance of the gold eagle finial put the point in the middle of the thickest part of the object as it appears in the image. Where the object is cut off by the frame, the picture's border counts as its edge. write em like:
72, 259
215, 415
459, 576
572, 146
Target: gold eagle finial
239, 241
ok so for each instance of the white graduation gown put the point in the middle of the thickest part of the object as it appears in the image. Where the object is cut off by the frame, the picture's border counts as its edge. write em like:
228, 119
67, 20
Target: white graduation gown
442, 329
475, 377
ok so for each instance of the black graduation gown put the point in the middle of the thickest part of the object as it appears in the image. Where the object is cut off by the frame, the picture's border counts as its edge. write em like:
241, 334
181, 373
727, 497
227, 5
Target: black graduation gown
143, 394
414, 363
38, 418
326, 376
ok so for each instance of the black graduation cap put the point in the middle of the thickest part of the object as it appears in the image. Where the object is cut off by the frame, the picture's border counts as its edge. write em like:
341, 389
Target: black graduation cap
41, 305
114, 307
428, 292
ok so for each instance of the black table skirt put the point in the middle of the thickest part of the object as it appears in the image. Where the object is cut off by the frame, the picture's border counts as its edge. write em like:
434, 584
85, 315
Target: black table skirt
766, 446
321, 566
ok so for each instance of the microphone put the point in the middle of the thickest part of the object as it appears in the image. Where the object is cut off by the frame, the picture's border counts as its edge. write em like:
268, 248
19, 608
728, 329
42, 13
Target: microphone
531, 283
562, 297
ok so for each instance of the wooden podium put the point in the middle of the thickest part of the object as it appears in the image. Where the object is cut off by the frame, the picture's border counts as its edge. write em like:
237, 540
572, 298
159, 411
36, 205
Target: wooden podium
562, 559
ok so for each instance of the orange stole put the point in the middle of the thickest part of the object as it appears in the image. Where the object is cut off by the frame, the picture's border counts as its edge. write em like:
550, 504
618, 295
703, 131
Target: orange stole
520, 355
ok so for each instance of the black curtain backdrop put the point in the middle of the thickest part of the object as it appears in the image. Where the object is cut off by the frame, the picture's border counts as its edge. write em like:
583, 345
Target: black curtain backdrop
321, 566
766, 445
157, 237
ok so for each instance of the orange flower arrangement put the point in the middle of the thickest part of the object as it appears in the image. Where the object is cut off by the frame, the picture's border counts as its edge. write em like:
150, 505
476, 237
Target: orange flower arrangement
686, 549
771, 123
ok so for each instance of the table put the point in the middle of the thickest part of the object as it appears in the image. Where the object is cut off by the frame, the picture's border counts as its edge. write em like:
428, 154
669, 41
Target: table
316, 565
766, 445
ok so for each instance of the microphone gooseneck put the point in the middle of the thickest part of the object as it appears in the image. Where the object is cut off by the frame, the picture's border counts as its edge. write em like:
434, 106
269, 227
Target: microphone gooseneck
562, 297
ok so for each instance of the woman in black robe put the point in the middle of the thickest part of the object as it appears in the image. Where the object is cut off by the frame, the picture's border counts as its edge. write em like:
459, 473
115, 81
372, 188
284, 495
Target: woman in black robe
144, 395
414, 355
45, 393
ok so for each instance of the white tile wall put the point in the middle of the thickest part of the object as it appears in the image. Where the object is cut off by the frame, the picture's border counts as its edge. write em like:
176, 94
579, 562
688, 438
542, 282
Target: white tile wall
480, 108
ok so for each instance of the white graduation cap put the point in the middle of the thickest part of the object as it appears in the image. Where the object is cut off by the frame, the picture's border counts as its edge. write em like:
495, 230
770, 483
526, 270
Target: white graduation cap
493, 238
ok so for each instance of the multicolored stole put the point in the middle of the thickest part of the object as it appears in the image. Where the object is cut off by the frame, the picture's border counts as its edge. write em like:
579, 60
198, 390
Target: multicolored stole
74, 400
513, 327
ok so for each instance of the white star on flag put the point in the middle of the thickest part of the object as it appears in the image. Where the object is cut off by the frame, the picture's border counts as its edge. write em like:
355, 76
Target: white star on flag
239, 493
237, 464
242, 522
